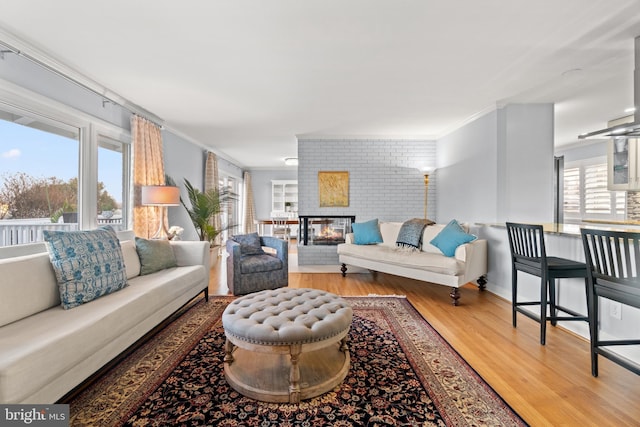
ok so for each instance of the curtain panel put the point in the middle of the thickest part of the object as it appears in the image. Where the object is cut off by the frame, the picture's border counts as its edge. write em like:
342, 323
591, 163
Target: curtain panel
148, 169
249, 206
212, 181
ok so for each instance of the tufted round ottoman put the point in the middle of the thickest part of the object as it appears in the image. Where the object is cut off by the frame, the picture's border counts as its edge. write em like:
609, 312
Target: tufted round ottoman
285, 345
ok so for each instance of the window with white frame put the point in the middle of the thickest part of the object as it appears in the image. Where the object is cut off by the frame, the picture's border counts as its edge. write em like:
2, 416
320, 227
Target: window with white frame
113, 164
59, 170
231, 215
586, 195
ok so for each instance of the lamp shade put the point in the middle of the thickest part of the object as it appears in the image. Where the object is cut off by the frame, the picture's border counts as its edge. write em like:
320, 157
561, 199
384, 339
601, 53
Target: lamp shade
160, 195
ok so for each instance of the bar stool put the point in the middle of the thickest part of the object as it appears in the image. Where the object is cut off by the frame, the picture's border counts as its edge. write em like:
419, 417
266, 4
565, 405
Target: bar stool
613, 260
528, 254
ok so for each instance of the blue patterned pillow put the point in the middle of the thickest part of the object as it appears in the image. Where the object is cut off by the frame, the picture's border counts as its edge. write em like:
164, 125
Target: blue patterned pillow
88, 264
250, 244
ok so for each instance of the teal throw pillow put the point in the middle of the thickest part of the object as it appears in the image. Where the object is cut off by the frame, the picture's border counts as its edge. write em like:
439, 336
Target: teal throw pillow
250, 244
88, 264
451, 236
366, 233
155, 255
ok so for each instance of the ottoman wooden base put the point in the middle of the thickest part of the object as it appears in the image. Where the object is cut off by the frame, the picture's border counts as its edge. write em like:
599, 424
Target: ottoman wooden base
286, 373
286, 345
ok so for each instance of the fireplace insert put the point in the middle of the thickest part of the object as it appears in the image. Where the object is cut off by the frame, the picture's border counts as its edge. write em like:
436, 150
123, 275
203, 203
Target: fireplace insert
324, 229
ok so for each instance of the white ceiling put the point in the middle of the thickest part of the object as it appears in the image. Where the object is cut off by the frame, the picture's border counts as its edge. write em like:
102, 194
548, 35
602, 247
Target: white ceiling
248, 77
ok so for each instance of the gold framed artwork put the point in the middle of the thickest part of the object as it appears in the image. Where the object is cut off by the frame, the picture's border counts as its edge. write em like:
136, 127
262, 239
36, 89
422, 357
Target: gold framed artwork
334, 189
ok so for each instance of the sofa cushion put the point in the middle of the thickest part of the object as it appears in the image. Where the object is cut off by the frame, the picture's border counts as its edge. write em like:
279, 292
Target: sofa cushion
259, 263
429, 233
155, 255
131, 259
35, 291
366, 233
412, 259
88, 264
46, 346
250, 244
389, 232
451, 236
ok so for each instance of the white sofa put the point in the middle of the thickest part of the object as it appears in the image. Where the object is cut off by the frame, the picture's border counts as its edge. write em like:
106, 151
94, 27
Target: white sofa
469, 264
46, 351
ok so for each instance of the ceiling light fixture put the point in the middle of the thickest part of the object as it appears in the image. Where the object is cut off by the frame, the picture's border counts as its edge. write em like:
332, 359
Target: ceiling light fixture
291, 161
630, 110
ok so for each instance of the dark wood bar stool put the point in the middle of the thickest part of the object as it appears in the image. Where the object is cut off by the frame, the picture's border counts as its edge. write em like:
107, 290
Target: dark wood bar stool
528, 254
613, 260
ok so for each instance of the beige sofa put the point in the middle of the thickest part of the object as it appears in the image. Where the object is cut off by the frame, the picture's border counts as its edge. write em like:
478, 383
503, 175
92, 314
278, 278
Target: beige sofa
46, 351
469, 264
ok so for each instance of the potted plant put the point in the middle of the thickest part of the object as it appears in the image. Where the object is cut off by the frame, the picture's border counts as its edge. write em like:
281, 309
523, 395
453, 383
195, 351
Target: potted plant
203, 206
69, 213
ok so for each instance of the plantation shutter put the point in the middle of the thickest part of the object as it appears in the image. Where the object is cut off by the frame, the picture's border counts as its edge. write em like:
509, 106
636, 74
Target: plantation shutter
597, 199
620, 202
571, 192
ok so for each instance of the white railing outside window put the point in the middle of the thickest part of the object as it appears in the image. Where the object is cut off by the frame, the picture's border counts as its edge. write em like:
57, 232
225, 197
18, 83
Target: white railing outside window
19, 232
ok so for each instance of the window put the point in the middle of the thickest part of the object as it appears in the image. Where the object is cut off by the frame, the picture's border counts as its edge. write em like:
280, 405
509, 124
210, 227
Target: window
586, 195
112, 187
39, 163
230, 217
52, 160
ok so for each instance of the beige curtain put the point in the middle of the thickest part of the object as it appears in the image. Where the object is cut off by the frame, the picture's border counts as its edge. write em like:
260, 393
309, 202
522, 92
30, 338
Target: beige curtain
148, 169
249, 206
212, 180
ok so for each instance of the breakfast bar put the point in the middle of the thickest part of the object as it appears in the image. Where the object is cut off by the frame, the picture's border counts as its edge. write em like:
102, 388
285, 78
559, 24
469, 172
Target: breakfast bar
562, 240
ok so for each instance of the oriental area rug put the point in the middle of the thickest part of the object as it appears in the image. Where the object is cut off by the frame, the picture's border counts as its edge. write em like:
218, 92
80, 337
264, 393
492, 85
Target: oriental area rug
403, 373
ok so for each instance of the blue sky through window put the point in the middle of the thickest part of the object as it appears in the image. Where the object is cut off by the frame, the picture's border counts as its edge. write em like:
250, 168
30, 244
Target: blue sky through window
44, 154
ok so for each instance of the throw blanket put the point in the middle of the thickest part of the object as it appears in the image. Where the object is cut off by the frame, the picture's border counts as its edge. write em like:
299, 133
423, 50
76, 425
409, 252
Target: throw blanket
411, 233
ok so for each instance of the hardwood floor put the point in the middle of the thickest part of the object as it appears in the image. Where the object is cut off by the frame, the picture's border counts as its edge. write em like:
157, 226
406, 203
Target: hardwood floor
547, 385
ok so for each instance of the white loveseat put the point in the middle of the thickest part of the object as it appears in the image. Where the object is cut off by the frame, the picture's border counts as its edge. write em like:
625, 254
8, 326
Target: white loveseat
469, 264
46, 351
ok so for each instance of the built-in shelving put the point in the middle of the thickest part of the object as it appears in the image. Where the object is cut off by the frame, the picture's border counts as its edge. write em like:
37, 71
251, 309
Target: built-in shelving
284, 198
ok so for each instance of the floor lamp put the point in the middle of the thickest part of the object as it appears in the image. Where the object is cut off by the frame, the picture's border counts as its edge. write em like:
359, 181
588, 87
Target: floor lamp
161, 196
426, 172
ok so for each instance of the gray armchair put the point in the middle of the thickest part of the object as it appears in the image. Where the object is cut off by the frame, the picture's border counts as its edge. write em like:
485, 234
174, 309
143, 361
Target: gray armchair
251, 272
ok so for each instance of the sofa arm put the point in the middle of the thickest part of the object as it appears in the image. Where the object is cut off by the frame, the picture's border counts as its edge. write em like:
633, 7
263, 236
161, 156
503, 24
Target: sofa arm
474, 256
191, 253
348, 238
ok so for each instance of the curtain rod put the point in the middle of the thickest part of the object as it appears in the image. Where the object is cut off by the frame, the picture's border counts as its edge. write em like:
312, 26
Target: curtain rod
124, 103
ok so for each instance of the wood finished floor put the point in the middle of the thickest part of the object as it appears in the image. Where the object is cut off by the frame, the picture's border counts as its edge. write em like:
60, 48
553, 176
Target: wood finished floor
547, 385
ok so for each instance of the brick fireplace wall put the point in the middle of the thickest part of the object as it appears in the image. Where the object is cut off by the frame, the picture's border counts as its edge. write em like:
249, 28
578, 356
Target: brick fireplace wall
385, 181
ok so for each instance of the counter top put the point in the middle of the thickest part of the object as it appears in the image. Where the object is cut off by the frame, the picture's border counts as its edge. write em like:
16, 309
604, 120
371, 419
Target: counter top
574, 229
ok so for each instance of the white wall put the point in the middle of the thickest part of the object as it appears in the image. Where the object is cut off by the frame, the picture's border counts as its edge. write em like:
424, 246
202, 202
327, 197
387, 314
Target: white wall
385, 180
498, 167
525, 163
586, 150
467, 172
261, 184
183, 159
